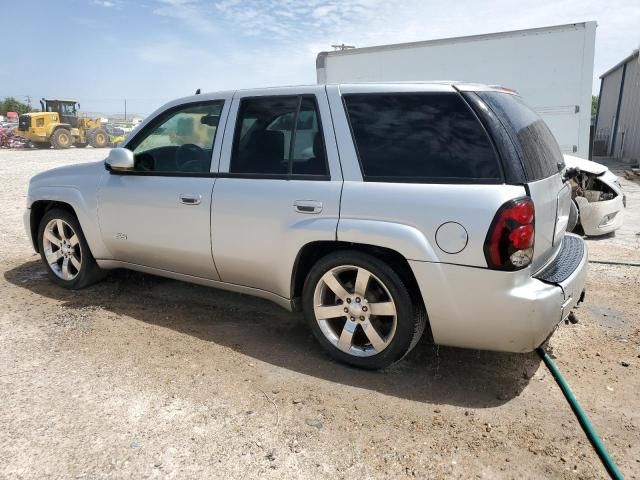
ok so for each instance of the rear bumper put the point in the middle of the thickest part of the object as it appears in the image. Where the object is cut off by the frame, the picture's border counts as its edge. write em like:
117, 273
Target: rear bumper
493, 310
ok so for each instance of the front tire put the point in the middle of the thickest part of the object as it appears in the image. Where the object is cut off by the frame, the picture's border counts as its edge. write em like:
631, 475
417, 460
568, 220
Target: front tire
574, 217
361, 311
65, 251
61, 138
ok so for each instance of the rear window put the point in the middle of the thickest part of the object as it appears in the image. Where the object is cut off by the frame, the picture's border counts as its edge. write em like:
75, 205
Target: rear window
536, 146
279, 135
420, 138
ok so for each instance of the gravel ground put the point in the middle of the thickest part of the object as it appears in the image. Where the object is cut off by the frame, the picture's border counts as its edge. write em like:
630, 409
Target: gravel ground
140, 376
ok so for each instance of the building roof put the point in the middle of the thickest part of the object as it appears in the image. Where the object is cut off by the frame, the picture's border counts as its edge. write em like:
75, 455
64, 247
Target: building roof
633, 55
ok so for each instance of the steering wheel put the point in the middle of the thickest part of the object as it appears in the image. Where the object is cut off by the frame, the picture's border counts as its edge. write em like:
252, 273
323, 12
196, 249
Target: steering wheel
189, 158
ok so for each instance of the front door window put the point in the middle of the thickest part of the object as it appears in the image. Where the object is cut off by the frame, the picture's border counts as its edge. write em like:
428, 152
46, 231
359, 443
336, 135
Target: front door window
179, 140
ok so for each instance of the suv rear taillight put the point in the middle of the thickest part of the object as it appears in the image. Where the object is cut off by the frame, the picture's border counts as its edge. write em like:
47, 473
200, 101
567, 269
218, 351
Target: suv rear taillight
509, 242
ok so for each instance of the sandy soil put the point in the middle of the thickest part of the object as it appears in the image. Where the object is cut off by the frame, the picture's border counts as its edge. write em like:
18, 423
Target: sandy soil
140, 376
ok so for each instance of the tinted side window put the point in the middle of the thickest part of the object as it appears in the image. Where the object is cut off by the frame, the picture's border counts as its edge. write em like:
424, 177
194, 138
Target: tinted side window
308, 152
179, 140
420, 137
537, 147
278, 136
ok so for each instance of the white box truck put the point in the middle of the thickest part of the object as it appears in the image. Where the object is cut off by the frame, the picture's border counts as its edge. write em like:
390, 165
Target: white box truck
551, 67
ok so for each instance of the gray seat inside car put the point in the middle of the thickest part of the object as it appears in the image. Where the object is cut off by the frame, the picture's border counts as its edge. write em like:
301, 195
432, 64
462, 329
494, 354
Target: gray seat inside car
264, 153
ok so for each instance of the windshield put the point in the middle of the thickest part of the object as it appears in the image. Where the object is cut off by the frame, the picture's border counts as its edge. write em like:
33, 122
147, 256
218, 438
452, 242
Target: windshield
536, 146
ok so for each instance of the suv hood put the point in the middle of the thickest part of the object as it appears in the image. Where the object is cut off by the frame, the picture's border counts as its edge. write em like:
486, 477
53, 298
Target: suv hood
584, 165
69, 176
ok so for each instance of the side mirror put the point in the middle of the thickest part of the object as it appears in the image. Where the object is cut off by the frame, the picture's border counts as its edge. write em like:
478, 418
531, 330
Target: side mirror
119, 160
210, 120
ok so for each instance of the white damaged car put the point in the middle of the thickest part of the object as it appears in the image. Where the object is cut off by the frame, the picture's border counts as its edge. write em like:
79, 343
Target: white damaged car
598, 198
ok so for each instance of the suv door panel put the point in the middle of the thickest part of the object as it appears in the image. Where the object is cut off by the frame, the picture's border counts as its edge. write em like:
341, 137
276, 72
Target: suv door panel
144, 221
163, 219
258, 227
257, 232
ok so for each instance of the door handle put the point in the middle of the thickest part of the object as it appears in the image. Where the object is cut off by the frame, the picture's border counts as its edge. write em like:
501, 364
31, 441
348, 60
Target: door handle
307, 206
190, 198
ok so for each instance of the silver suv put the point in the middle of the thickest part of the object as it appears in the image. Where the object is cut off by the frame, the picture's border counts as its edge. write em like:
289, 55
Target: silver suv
377, 209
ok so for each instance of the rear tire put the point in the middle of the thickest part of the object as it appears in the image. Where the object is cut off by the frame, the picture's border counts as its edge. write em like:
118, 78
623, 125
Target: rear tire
65, 251
98, 138
61, 138
349, 328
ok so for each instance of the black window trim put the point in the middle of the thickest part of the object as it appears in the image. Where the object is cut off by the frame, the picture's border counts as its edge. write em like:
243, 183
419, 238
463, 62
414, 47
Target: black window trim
263, 176
281, 176
514, 141
427, 180
160, 118
510, 161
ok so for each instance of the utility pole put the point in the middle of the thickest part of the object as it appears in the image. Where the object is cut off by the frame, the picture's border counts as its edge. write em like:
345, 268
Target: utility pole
342, 46
28, 99
125, 109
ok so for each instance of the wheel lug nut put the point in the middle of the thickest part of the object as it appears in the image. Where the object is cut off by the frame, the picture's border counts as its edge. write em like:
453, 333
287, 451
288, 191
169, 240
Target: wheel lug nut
357, 299
364, 309
346, 310
362, 318
348, 300
353, 318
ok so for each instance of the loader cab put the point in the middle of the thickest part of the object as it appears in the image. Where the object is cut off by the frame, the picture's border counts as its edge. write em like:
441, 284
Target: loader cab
67, 109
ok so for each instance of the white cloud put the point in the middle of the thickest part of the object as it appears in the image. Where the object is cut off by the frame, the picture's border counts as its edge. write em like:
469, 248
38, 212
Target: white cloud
323, 11
299, 20
169, 51
195, 14
106, 3
291, 32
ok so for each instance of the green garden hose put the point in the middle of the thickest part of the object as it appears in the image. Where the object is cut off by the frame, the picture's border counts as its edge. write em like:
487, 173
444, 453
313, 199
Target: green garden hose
591, 433
616, 262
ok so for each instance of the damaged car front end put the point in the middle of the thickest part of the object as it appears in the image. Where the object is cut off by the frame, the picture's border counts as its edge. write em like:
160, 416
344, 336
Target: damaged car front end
597, 195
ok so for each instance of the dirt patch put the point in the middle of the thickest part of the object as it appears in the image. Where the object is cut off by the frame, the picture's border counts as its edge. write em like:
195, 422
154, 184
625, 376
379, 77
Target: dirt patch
140, 376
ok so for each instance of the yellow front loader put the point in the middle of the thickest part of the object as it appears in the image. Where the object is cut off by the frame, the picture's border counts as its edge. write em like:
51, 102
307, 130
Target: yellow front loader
60, 126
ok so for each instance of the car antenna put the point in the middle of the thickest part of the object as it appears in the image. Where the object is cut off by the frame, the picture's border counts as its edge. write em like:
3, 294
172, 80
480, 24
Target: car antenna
198, 92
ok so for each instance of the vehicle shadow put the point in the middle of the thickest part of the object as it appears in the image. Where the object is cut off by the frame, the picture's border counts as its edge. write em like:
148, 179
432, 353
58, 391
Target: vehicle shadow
259, 329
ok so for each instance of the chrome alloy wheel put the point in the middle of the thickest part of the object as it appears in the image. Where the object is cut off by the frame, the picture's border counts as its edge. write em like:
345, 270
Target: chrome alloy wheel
355, 311
62, 249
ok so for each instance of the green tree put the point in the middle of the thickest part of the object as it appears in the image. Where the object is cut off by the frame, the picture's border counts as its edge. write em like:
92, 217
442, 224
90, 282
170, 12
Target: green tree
594, 105
10, 104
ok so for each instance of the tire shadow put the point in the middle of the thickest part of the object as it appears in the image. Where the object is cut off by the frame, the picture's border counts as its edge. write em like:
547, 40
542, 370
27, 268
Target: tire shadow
264, 331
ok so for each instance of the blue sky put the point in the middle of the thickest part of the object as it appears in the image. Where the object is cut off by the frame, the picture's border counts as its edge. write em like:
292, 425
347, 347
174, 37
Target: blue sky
150, 51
